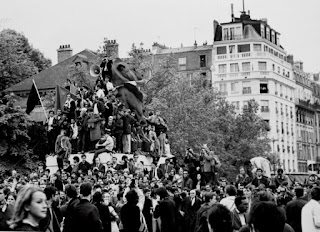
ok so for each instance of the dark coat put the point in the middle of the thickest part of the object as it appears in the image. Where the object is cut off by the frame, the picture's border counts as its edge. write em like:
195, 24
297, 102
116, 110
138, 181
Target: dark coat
86, 217
264, 180
130, 218
190, 212
104, 216
201, 224
168, 214
101, 168
166, 168
5, 216
56, 219
293, 212
84, 167
26, 227
187, 183
236, 222
68, 216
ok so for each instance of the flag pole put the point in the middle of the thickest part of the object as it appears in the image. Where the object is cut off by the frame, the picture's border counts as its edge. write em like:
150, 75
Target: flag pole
45, 113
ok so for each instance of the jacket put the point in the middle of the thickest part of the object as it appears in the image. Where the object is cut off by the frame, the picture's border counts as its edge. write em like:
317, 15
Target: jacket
86, 218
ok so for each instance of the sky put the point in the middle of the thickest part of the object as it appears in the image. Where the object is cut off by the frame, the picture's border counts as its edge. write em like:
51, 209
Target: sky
84, 24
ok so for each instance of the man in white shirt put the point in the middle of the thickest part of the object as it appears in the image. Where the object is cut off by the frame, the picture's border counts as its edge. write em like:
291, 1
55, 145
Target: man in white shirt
105, 144
310, 215
228, 201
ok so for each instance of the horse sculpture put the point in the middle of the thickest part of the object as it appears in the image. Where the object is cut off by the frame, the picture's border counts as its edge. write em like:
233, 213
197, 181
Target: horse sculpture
126, 81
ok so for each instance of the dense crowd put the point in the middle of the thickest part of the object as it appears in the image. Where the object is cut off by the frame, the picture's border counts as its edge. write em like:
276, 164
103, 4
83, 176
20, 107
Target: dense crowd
125, 195
85, 197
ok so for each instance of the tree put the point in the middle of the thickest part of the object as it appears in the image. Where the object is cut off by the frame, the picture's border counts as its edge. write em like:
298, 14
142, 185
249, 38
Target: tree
78, 76
23, 141
18, 59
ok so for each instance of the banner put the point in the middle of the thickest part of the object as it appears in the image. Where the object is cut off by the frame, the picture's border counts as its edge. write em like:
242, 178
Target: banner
61, 97
33, 99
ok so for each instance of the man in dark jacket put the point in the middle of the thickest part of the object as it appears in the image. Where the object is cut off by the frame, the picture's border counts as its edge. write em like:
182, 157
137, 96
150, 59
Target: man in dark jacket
260, 179
167, 212
238, 215
68, 209
201, 224
84, 165
293, 210
189, 207
86, 216
53, 219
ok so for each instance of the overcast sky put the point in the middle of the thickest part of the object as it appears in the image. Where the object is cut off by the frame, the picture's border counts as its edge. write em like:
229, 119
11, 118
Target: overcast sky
84, 24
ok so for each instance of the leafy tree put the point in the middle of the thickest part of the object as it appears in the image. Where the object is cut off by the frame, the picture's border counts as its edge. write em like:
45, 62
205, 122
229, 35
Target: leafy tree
18, 59
23, 141
78, 76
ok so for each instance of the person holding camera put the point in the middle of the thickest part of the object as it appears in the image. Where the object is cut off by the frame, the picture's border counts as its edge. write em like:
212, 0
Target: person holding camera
210, 163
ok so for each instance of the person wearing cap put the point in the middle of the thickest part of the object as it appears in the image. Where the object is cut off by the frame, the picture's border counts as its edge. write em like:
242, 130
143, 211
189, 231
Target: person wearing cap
260, 179
105, 144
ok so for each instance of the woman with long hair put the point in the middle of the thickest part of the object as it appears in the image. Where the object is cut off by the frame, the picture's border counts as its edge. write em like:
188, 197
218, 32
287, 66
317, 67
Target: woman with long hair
30, 207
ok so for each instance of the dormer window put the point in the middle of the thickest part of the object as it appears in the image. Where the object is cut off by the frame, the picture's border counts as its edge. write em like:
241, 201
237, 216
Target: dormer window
78, 64
262, 31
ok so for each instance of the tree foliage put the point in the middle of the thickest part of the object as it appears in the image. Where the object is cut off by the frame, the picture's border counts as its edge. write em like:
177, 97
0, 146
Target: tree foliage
18, 59
78, 76
196, 115
22, 140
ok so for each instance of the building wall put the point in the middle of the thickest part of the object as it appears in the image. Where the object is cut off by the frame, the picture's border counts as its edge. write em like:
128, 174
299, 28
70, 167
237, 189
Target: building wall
260, 73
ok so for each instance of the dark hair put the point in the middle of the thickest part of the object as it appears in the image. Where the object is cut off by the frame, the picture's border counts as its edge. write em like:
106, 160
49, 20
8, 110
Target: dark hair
76, 158
162, 192
97, 198
219, 218
71, 191
50, 191
83, 156
231, 190
266, 216
85, 189
299, 191
132, 197
280, 170
315, 193
208, 197
239, 200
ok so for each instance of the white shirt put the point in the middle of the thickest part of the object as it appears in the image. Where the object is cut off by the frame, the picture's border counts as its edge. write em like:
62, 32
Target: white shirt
100, 93
229, 202
310, 217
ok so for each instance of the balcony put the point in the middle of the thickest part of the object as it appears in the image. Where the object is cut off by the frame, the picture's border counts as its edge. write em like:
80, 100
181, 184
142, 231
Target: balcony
246, 91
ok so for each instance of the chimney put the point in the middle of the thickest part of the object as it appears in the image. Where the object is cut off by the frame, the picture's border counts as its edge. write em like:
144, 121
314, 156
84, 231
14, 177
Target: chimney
232, 14
64, 52
290, 59
112, 48
299, 65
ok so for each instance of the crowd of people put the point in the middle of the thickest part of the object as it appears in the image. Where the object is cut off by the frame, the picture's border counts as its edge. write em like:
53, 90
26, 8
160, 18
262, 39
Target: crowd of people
125, 195
97, 121
171, 197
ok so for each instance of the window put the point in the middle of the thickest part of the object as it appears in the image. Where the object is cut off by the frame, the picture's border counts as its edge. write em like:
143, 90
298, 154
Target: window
278, 69
234, 67
203, 61
244, 48
234, 87
264, 88
257, 47
223, 87
226, 34
264, 106
222, 68
246, 87
273, 38
232, 49
232, 33
221, 50
268, 33
273, 67
78, 64
245, 105
266, 48
236, 105
262, 66
238, 33
182, 63
262, 31
245, 66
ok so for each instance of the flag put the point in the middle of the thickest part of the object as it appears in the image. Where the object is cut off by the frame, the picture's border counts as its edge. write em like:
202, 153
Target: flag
33, 99
61, 97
